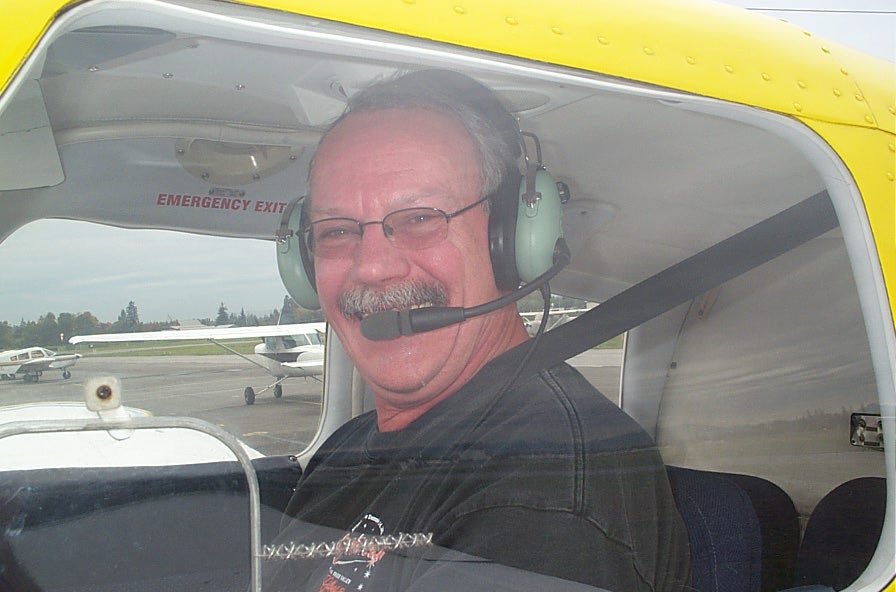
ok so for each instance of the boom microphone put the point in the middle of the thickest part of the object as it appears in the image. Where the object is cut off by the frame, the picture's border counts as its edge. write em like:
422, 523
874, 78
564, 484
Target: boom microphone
391, 324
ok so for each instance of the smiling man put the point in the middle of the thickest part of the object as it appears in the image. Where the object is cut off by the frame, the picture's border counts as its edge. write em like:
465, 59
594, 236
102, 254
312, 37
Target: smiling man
539, 472
393, 169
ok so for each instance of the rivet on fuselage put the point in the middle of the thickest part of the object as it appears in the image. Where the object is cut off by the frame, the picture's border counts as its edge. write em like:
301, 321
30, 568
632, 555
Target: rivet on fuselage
869, 119
837, 92
766, 77
798, 107
409, 2
859, 97
556, 30
801, 84
690, 60
511, 21
648, 51
460, 10
729, 69
603, 40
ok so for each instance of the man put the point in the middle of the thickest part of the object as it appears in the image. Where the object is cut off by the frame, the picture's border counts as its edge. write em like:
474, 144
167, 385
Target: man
541, 473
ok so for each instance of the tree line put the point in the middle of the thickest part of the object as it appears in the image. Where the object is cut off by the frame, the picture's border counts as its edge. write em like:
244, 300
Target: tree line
53, 331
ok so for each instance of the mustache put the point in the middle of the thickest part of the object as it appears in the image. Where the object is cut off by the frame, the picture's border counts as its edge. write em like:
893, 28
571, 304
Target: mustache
360, 302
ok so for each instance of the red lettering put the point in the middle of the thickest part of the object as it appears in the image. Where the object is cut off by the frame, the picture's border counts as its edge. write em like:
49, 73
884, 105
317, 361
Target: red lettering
169, 199
270, 207
216, 203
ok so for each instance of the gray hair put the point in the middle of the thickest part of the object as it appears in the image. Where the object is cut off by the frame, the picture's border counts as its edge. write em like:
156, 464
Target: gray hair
493, 129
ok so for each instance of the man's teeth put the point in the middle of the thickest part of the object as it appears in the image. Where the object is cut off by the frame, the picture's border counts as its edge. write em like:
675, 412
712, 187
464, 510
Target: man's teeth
363, 315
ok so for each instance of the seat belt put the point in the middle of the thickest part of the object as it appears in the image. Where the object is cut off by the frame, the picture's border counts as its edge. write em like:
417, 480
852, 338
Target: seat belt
683, 281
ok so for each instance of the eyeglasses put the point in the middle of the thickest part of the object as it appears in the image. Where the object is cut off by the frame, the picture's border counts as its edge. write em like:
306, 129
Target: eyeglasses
409, 228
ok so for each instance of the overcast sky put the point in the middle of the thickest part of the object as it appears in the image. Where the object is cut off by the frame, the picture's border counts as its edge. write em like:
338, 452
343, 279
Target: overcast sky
100, 269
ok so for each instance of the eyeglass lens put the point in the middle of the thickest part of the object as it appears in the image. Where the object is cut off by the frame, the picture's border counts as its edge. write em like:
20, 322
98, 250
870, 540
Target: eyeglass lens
412, 228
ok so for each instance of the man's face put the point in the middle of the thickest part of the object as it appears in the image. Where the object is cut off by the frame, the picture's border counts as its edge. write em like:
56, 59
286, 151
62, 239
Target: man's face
370, 165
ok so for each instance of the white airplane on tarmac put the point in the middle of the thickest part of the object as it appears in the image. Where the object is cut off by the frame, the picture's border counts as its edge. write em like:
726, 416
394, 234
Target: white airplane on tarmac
288, 351
32, 361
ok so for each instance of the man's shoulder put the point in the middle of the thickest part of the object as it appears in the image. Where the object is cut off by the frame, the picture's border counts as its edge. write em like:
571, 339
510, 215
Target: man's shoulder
560, 388
350, 437
560, 398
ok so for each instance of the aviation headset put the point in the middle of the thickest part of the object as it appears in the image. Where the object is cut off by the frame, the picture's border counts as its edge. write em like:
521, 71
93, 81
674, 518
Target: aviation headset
524, 225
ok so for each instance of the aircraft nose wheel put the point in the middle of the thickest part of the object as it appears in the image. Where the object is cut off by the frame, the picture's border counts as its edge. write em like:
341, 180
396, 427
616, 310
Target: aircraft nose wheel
66, 374
278, 391
249, 395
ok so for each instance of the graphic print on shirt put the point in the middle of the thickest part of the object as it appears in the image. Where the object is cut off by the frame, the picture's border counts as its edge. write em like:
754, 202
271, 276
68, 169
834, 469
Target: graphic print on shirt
353, 567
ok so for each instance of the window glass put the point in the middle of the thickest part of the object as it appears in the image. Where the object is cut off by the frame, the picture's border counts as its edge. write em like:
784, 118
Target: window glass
601, 365
135, 281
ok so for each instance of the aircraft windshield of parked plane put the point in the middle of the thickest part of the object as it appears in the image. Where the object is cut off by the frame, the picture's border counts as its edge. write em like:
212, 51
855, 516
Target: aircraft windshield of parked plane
723, 183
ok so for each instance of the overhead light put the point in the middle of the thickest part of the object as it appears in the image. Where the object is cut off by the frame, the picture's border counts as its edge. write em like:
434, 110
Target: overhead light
520, 101
231, 164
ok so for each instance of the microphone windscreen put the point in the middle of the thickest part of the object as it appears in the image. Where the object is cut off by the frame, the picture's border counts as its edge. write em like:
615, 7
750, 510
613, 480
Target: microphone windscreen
381, 326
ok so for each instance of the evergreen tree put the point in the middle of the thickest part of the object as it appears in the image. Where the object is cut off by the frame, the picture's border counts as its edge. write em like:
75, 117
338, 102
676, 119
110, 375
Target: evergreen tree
7, 337
47, 331
223, 318
132, 319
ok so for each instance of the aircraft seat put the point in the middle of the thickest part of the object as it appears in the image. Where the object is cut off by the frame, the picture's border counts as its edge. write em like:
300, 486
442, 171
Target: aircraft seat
779, 525
723, 531
842, 533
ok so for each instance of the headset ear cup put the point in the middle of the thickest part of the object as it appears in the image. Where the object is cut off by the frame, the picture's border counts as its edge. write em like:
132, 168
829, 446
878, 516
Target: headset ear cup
501, 233
538, 227
296, 265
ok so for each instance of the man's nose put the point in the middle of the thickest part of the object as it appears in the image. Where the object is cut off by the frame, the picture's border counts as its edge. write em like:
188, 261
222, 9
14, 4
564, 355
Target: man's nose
377, 260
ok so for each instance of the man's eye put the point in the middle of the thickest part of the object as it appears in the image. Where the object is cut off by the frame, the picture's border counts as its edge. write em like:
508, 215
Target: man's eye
412, 219
335, 233
423, 218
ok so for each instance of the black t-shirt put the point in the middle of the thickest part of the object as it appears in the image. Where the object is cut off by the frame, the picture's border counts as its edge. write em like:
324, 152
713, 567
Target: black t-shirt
548, 476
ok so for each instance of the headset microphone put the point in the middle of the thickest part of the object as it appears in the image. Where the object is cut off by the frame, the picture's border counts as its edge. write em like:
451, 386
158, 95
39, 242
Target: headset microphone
392, 324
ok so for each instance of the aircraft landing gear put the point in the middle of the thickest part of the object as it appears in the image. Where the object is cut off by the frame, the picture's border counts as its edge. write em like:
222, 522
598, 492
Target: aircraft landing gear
249, 394
66, 374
